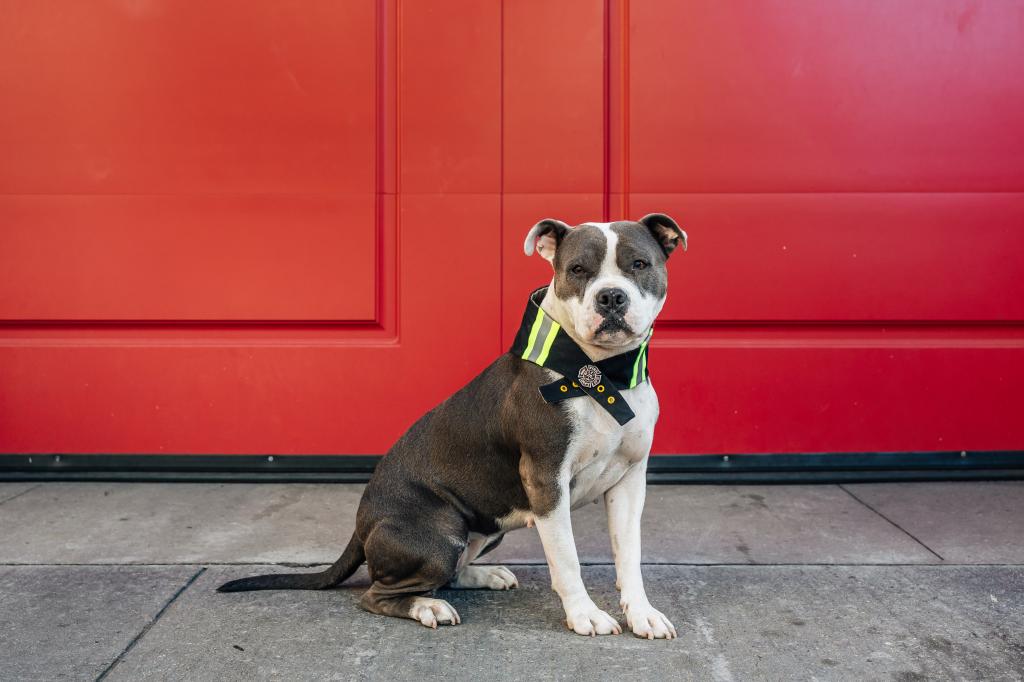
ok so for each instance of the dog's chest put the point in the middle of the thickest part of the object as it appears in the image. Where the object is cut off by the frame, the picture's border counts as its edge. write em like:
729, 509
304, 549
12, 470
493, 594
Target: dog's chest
601, 451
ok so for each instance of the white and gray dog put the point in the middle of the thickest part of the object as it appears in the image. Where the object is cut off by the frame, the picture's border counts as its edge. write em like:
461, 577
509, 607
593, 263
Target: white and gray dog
523, 444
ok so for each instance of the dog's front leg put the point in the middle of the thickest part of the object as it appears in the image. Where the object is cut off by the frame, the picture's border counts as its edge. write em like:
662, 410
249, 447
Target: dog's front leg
581, 613
625, 504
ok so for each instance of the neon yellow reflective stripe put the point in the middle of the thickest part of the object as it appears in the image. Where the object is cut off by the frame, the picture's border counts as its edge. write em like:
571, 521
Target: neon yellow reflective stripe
533, 333
552, 333
642, 355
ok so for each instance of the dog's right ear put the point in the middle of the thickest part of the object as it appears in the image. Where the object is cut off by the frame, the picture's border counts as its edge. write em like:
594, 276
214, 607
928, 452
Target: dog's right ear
545, 236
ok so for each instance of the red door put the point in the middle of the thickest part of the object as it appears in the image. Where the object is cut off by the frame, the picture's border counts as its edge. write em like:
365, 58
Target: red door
237, 227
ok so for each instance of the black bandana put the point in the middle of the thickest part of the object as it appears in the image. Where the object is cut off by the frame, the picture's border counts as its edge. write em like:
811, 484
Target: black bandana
542, 341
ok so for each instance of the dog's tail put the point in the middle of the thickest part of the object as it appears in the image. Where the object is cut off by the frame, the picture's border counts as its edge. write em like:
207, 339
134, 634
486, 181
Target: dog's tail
342, 569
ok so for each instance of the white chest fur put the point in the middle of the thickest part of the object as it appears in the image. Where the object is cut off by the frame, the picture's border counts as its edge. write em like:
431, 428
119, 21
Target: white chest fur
601, 451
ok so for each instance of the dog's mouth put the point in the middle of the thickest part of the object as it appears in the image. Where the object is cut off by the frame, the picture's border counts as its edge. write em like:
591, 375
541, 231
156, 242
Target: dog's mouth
613, 324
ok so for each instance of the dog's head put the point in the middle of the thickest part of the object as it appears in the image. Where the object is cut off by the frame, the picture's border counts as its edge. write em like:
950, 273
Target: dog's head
610, 279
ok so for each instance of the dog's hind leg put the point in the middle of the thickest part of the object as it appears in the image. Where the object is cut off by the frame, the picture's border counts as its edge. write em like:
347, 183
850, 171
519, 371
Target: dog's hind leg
427, 610
406, 564
469, 577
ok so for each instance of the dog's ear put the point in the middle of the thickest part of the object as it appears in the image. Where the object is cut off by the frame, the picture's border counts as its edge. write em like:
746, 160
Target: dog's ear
665, 230
545, 236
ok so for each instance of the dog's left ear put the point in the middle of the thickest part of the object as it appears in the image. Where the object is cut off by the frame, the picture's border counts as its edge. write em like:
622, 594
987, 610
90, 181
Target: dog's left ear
665, 230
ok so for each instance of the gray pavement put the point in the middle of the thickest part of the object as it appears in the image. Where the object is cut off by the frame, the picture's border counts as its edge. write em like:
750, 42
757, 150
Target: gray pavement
71, 622
876, 581
969, 524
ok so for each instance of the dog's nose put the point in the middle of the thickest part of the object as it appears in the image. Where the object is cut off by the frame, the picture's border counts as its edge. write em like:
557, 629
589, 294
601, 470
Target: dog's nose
611, 301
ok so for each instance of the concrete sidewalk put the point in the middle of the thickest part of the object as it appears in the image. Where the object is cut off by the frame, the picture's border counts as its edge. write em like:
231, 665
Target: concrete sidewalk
881, 581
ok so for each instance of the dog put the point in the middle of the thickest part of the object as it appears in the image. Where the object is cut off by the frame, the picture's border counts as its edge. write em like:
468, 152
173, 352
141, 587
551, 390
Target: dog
524, 444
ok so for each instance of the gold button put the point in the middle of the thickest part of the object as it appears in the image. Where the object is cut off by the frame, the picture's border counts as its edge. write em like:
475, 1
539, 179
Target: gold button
564, 388
611, 400
600, 388
575, 385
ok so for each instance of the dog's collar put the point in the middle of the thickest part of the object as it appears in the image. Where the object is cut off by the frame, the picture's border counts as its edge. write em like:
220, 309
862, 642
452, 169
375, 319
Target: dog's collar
543, 342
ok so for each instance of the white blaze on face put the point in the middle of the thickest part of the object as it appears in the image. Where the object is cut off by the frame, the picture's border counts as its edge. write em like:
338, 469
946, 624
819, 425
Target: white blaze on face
643, 307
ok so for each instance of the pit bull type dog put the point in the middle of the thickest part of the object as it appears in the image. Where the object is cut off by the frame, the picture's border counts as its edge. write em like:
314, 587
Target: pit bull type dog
564, 418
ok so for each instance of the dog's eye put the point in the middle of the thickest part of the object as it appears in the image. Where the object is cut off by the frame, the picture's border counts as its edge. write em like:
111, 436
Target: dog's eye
577, 270
639, 264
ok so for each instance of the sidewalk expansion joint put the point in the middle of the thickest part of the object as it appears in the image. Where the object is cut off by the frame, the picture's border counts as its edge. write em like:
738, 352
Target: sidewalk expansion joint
894, 524
16, 496
153, 621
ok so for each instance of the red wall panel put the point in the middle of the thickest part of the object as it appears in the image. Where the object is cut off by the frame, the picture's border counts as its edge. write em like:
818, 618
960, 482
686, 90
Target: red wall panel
848, 257
554, 100
451, 78
236, 227
808, 96
171, 98
188, 258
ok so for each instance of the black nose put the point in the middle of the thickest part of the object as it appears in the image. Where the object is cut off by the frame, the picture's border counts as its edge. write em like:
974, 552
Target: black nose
611, 301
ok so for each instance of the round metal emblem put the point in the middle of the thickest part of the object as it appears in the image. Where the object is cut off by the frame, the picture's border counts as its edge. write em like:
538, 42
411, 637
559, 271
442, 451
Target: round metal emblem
589, 376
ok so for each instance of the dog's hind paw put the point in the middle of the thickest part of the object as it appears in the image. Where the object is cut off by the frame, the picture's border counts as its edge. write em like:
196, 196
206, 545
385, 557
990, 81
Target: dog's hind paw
485, 578
433, 612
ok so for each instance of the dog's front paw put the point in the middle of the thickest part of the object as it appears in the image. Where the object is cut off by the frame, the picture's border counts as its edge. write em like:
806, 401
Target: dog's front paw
648, 622
590, 620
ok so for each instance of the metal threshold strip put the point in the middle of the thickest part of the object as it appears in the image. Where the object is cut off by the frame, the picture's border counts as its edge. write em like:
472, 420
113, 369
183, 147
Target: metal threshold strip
734, 468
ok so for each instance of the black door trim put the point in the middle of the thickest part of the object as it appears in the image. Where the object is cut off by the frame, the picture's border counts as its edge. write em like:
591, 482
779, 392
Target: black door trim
761, 468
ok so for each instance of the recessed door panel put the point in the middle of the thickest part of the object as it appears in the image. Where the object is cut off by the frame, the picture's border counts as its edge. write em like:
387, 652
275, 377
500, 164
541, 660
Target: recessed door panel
840, 96
189, 258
